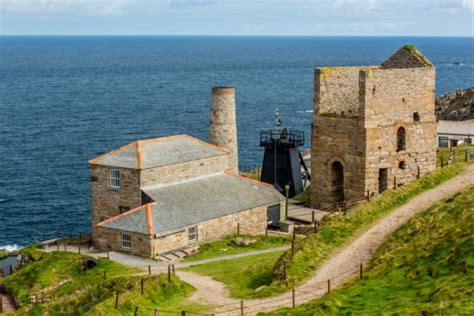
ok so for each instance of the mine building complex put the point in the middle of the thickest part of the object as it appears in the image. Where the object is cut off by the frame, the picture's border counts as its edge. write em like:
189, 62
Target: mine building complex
373, 128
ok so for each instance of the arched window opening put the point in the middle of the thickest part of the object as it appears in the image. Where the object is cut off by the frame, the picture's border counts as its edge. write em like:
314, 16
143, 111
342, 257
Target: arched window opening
401, 139
337, 181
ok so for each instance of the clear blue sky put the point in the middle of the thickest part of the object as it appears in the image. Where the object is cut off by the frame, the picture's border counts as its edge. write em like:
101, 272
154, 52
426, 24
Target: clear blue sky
237, 17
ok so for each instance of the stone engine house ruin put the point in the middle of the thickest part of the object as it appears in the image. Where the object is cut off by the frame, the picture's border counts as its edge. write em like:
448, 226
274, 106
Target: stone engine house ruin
374, 127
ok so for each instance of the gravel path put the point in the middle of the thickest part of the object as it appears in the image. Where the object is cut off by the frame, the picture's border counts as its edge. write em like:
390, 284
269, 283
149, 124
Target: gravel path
339, 268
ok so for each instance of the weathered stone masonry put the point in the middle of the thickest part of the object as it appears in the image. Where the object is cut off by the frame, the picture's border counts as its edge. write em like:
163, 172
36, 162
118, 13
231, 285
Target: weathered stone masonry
358, 113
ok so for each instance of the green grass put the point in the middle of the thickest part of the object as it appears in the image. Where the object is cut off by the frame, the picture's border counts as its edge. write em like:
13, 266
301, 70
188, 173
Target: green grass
304, 196
225, 246
58, 277
3, 253
428, 264
455, 154
340, 230
243, 275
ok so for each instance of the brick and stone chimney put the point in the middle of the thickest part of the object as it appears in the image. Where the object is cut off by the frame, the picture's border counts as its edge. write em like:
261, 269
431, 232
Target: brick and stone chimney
223, 126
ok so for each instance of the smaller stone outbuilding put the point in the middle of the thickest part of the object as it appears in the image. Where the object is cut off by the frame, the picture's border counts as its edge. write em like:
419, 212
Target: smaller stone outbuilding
200, 209
455, 133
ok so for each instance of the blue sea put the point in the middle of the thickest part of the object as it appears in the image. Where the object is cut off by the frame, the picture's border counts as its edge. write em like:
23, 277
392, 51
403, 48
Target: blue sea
64, 100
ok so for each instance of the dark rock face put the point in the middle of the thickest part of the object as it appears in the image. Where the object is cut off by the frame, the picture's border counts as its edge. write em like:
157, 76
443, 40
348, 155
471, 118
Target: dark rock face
456, 106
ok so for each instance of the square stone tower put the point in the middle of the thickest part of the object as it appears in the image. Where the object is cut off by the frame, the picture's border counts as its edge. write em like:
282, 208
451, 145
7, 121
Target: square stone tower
374, 128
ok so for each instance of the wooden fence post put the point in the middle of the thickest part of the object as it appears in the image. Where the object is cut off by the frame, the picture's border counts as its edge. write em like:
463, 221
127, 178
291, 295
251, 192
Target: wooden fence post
174, 271
136, 311
169, 273
79, 244
442, 162
116, 299
293, 298
329, 286
108, 254
183, 313
360, 271
315, 227
418, 172
266, 231
312, 216
149, 270
395, 182
141, 286
57, 245
293, 242
238, 228
241, 308
368, 196
11, 270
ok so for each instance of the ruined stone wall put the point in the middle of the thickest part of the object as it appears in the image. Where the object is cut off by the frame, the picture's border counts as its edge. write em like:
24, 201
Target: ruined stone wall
105, 201
342, 140
184, 170
337, 89
111, 239
390, 99
253, 221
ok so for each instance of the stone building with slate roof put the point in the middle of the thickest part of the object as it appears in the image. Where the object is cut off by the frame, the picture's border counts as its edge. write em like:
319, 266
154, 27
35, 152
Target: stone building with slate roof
374, 127
157, 195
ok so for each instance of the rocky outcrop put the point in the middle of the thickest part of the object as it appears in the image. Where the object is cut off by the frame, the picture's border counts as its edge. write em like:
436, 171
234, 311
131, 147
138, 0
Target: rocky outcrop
456, 106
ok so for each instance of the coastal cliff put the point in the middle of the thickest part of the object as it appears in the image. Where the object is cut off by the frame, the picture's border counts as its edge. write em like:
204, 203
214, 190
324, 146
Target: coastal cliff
456, 106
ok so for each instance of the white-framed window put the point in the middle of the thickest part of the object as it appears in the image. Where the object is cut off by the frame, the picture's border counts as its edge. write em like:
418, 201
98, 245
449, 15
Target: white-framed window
126, 241
114, 178
193, 234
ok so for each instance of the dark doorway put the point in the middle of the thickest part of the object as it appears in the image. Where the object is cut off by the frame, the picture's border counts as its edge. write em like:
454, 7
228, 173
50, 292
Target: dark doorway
337, 181
273, 215
383, 179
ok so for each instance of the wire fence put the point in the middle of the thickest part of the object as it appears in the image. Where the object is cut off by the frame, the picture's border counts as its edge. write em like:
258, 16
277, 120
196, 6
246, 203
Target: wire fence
291, 299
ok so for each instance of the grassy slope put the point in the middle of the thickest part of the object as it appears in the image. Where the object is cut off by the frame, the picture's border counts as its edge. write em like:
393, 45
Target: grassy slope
340, 230
426, 265
225, 246
58, 275
456, 153
243, 275
3, 253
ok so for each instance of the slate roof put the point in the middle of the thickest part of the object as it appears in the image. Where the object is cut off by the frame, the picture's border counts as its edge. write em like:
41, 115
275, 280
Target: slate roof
456, 127
157, 152
185, 203
408, 56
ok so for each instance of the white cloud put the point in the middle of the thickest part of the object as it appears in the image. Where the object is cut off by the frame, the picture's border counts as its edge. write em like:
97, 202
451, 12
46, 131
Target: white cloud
357, 5
468, 4
88, 7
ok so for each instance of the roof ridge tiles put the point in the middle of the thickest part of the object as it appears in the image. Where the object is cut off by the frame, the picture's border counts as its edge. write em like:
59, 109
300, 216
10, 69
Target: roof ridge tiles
200, 141
133, 210
117, 150
229, 172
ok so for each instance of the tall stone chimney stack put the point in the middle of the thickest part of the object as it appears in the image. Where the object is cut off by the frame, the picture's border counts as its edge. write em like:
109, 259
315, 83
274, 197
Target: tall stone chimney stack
223, 125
